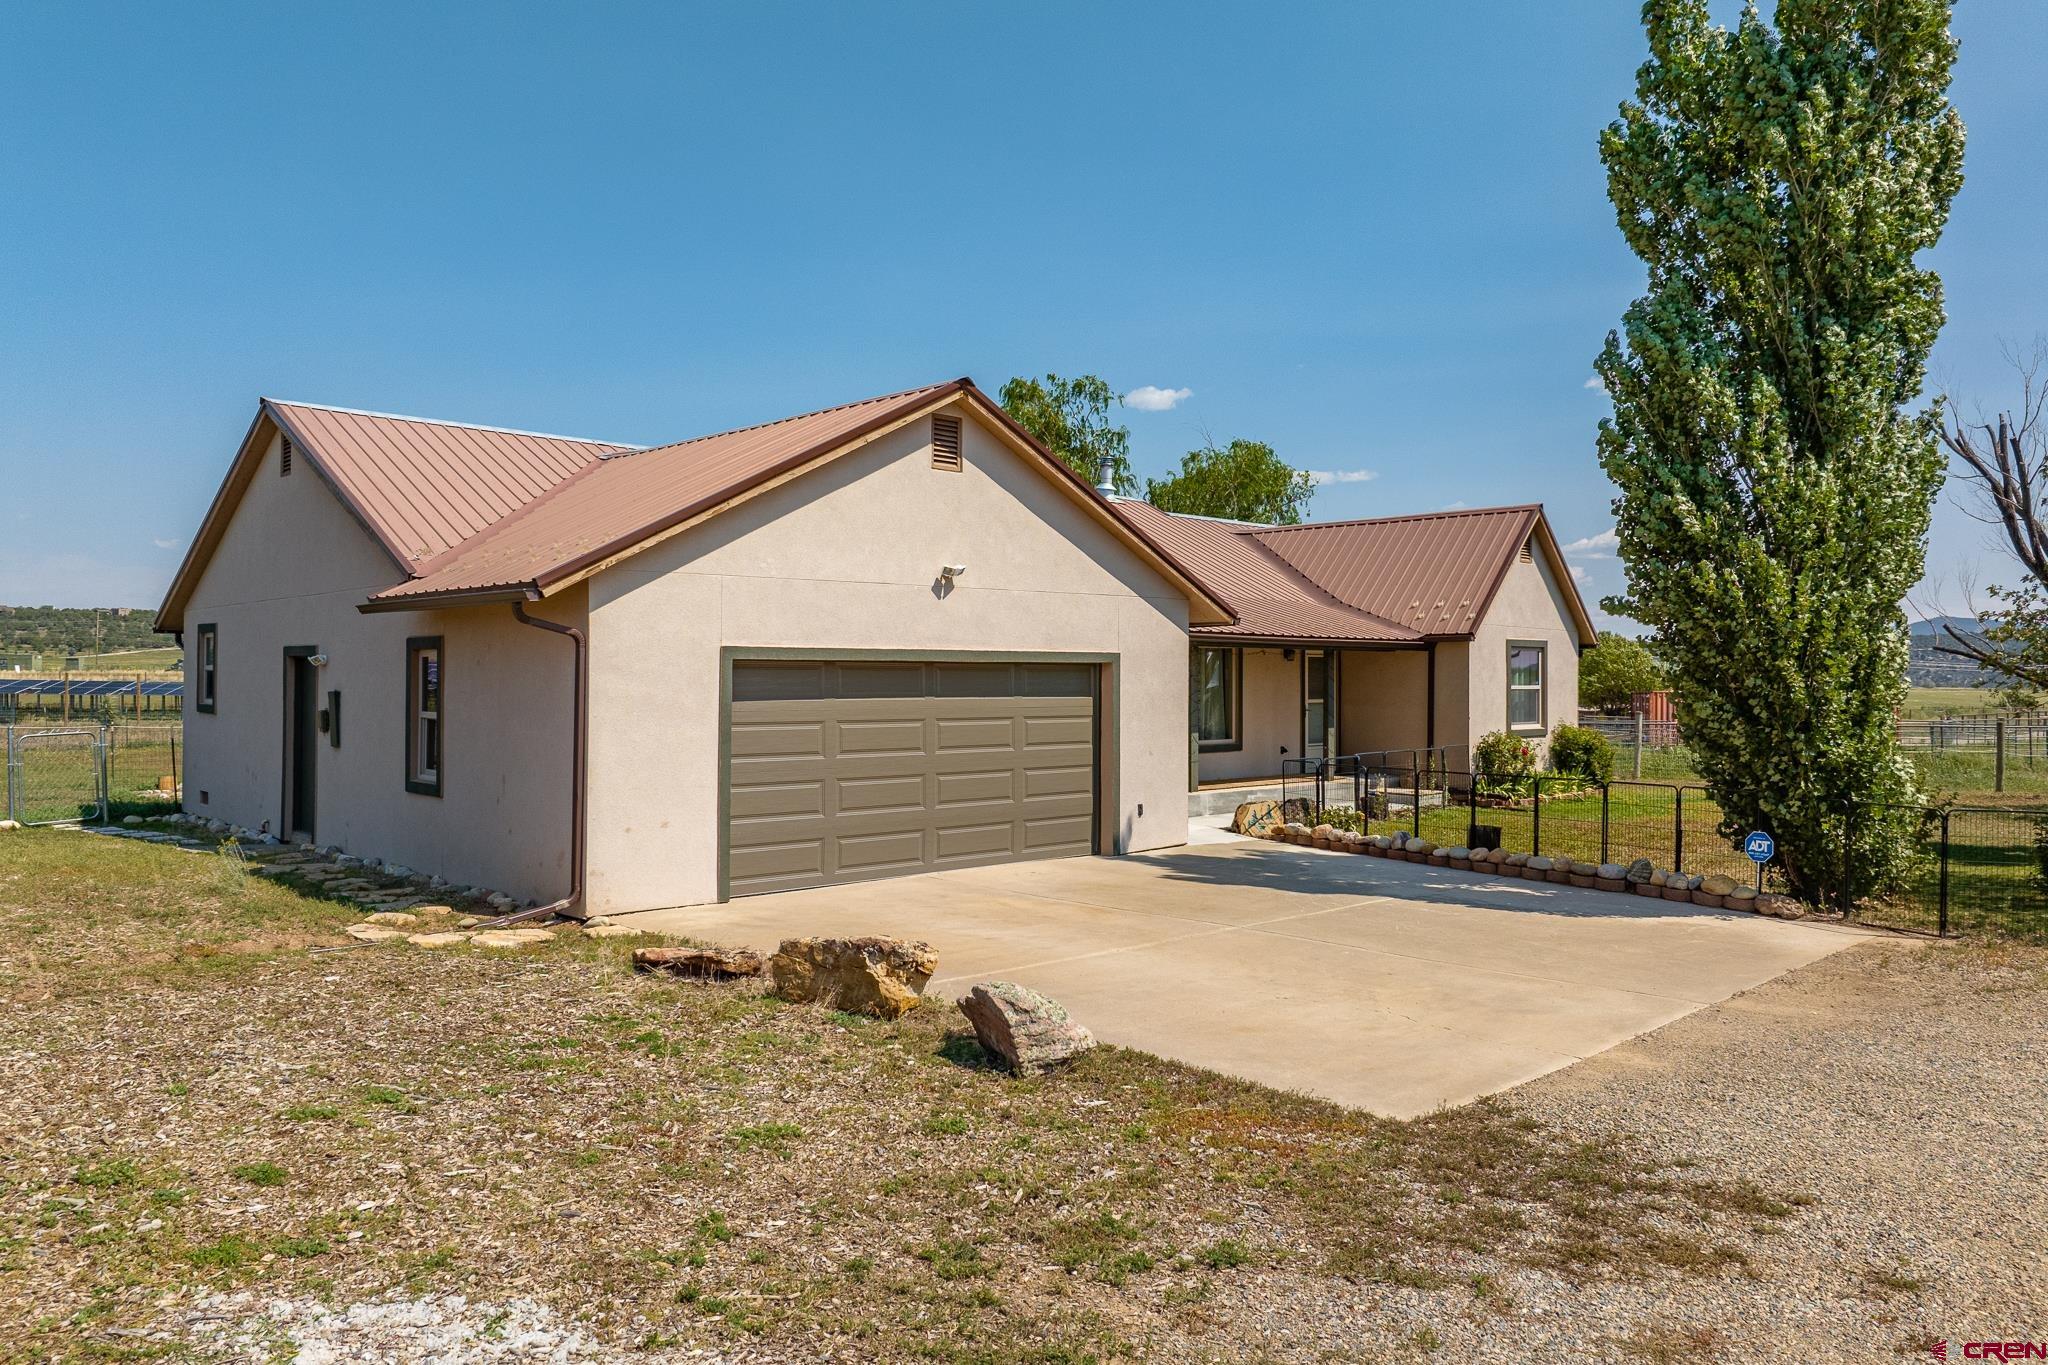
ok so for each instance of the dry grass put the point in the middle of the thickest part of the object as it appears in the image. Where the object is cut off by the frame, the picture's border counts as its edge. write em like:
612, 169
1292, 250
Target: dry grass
193, 1101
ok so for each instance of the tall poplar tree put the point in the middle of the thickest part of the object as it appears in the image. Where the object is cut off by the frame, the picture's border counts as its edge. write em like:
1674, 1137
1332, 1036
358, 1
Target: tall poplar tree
1776, 469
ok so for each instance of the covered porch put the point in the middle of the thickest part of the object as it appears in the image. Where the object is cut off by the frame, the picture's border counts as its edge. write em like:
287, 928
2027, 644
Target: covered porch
1259, 711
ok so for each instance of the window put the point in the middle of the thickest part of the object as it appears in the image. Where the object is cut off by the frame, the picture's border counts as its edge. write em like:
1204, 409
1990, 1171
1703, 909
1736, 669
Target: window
423, 715
946, 444
1215, 687
207, 671
1525, 686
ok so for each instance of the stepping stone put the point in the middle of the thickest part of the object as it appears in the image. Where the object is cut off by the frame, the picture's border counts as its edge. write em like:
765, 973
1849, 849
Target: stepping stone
614, 931
393, 920
445, 939
372, 933
510, 938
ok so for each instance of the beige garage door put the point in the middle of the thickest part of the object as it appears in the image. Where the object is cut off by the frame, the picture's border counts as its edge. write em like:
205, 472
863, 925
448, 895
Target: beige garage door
849, 771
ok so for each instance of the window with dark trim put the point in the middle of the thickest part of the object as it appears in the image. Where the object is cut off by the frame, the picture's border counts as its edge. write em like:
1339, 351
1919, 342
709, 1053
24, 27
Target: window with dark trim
1526, 706
1215, 674
206, 668
423, 682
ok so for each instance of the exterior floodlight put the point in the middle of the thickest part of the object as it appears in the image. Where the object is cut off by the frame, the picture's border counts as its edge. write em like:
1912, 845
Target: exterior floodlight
952, 570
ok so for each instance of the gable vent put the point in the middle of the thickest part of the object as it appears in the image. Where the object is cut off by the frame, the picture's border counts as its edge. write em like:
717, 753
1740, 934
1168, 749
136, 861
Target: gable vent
284, 456
1528, 552
946, 444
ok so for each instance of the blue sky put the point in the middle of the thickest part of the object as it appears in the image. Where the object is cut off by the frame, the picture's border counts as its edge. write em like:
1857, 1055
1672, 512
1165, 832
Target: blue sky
1375, 236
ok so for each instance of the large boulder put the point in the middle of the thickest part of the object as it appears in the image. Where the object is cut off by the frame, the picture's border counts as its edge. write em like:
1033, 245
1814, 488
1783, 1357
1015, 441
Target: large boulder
703, 964
1717, 885
1641, 872
1028, 1031
884, 977
1258, 818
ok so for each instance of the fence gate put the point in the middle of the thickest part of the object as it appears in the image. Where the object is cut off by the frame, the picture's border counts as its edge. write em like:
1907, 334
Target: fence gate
55, 775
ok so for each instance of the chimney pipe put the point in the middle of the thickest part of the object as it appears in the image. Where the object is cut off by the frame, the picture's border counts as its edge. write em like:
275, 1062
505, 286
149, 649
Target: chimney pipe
1105, 476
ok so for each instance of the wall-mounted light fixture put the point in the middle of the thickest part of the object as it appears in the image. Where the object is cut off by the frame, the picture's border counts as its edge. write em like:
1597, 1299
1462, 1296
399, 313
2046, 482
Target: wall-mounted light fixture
949, 572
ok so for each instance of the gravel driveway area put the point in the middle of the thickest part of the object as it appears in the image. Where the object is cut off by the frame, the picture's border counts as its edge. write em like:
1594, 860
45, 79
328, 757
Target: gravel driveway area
1902, 1086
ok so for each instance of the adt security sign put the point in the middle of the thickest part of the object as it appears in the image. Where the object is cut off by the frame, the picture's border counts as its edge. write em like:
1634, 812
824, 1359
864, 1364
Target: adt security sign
1759, 846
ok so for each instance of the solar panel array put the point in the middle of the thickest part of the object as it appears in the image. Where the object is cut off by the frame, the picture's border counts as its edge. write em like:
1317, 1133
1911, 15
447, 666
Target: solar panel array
80, 690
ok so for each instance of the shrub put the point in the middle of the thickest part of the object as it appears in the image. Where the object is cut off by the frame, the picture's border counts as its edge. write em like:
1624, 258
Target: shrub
1577, 749
1503, 764
1342, 817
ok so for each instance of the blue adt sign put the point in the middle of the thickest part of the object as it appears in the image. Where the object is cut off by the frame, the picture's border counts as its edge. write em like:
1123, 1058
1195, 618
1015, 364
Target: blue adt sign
1759, 846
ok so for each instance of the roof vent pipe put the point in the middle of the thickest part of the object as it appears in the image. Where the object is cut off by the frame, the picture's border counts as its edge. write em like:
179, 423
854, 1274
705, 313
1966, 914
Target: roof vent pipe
1105, 476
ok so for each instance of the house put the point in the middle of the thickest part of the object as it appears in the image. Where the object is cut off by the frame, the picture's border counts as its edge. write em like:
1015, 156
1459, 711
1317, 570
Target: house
886, 637
1398, 641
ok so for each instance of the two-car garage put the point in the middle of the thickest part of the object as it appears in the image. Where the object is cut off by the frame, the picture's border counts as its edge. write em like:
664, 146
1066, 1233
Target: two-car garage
852, 769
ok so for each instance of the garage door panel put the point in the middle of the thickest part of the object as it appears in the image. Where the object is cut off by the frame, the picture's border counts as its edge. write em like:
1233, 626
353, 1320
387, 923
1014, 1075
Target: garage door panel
880, 736
905, 792
768, 740
985, 734
778, 799
871, 853
844, 772
959, 788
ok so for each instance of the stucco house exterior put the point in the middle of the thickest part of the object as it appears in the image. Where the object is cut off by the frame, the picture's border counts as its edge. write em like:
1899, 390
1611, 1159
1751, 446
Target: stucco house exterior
887, 637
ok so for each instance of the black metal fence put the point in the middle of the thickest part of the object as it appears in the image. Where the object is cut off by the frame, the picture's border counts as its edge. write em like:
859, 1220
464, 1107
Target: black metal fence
1979, 870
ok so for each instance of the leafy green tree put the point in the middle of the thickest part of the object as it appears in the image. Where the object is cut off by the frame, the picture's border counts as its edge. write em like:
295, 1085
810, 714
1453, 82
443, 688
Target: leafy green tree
1071, 417
1244, 481
1615, 669
1775, 484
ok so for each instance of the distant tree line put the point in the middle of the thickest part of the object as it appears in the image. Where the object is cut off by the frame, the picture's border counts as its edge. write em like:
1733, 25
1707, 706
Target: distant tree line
77, 630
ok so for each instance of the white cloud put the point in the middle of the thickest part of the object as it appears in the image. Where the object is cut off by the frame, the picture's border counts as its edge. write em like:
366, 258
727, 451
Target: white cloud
1579, 574
1458, 506
166, 544
1594, 547
1323, 476
1596, 382
1151, 398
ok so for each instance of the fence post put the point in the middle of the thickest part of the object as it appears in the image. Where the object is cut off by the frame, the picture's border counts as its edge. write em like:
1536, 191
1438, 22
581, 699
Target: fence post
1639, 746
1941, 921
1998, 763
13, 792
1471, 810
104, 753
1604, 789
1536, 814
1678, 829
1415, 798
1848, 900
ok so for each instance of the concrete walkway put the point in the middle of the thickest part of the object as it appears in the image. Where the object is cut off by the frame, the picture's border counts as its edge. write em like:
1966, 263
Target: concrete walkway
1391, 986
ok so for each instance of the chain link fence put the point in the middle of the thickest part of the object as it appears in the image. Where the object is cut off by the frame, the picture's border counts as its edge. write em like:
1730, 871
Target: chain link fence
55, 774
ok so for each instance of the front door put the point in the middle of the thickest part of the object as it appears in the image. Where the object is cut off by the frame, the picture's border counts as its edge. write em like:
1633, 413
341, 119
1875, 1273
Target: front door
301, 696
1318, 703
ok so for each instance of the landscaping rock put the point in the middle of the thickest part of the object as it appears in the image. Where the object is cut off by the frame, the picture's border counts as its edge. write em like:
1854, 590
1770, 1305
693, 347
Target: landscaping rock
1677, 886
1741, 898
1536, 862
884, 977
433, 911
1640, 871
8, 825
447, 938
614, 931
1783, 907
1612, 872
131, 821
1028, 1031
705, 964
372, 933
1256, 817
1717, 885
510, 938
393, 919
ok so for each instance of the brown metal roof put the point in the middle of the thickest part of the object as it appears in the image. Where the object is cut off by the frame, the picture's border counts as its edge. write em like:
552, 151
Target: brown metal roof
1271, 600
423, 486
1434, 574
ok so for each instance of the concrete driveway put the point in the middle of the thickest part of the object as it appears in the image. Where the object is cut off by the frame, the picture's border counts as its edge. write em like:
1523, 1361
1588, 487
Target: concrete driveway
1386, 985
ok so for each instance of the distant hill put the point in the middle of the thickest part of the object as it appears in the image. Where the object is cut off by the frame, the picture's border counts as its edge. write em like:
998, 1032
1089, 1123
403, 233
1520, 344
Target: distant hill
1929, 666
77, 630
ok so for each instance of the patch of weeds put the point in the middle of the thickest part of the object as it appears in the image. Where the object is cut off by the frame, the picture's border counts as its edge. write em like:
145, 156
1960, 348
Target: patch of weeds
713, 1227
300, 1248
224, 1254
1371, 1259
858, 1267
592, 1156
177, 1089
1136, 1132
760, 1256
261, 1173
954, 1260
1425, 1339
1661, 1345
1897, 1281
391, 1097
964, 1049
774, 1138
848, 1021
105, 1175
311, 1113
1103, 1243
1225, 1254
169, 1196
946, 1125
